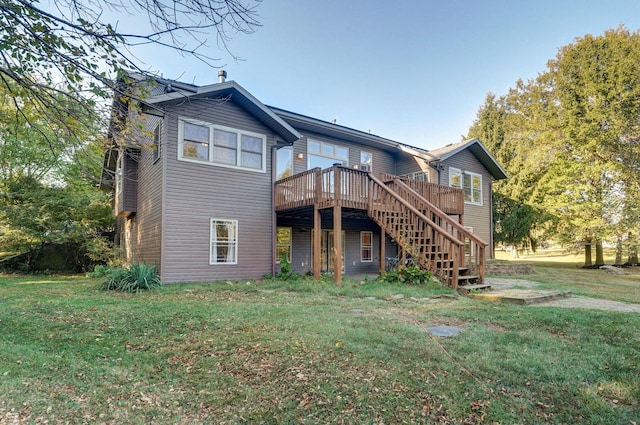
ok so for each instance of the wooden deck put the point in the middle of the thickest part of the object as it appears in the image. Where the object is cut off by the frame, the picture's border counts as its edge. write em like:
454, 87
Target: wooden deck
346, 187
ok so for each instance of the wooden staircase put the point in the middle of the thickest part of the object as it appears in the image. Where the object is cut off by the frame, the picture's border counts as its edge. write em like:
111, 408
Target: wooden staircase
433, 239
413, 213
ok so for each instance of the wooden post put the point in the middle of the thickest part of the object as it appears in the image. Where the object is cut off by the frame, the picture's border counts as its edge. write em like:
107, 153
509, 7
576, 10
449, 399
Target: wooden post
317, 242
337, 245
383, 237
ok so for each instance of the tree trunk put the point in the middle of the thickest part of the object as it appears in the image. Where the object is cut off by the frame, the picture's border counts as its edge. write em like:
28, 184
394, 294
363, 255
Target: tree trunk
633, 256
587, 255
514, 252
618, 261
599, 253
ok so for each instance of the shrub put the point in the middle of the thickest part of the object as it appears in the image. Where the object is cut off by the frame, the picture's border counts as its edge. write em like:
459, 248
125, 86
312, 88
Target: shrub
411, 275
286, 271
100, 270
135, 278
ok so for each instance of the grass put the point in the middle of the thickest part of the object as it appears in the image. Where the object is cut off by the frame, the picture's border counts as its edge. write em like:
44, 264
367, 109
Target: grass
307, 352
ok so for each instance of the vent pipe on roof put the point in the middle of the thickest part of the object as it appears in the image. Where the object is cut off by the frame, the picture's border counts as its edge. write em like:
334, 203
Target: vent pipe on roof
222, 76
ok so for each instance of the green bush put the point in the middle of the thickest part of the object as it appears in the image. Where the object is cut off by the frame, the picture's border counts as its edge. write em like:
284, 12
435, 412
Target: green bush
286, 271
135, 278
411, 275
100, 270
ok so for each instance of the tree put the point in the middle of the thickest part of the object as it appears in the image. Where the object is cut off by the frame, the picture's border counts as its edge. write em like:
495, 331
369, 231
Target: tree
47, 186
64, 58
570, 140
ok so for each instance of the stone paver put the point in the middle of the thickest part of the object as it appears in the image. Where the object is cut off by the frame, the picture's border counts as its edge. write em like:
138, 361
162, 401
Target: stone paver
514, 285
593, 303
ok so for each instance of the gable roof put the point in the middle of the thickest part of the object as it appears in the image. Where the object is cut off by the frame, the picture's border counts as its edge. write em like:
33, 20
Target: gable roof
239, 95
476, 147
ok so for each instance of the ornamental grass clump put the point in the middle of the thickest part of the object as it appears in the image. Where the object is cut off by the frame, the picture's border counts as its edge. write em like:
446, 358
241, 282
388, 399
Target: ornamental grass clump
135, 278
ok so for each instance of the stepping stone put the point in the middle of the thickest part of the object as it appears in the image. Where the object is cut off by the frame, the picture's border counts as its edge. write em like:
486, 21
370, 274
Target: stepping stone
521, 296
444, 331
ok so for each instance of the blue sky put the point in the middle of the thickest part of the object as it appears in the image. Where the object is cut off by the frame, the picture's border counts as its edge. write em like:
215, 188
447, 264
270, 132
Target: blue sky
412, 71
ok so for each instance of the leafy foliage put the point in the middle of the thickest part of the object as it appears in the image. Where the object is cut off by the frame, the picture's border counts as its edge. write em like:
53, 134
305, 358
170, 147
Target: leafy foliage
411, 275
135, 278
569, 140
66, 57
286, 271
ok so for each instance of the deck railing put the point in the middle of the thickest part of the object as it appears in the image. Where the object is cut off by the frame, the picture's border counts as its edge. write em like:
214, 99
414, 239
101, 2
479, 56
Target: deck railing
302, 190
448, 199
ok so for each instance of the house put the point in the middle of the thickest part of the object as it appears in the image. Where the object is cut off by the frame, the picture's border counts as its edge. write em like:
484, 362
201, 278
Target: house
209, 183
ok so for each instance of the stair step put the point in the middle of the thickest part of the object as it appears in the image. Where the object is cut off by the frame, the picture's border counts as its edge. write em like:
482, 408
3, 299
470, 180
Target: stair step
468, 277
478, 287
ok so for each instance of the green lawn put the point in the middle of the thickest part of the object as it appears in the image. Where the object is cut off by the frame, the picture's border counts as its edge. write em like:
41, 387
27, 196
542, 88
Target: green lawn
308, 353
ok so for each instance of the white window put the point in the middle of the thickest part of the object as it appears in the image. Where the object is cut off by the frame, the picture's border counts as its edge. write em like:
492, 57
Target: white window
157, 132
223, 146
468, 246
224, 242
366, 247
283, 244
325, 155
471, 183
366, 161
119, 174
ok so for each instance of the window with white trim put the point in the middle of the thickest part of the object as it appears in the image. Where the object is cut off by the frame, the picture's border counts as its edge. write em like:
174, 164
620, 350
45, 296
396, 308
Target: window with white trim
468, 246
366, 161
366, 247
283, 244
470, 182
157, 133
224, 242
284, 163
324, 155
222, 146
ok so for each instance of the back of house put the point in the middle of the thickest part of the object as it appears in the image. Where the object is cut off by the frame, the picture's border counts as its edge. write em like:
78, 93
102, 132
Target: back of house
212, 184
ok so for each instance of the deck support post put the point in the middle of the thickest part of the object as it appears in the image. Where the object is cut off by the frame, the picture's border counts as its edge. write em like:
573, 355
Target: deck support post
337, 245
383, 238
317, 238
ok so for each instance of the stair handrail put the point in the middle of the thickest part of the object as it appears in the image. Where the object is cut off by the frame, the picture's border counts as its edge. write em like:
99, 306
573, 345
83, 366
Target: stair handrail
446, 235
481, 245
414, 210
437, 211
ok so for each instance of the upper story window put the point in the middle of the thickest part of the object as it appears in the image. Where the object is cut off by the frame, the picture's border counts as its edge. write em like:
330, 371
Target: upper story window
325, 155
470, 182
157, 134
284, 163
366, 161
219, 145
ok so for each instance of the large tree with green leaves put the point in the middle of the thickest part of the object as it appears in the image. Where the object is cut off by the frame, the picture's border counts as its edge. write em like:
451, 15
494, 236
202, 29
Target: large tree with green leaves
48, 194
569, 139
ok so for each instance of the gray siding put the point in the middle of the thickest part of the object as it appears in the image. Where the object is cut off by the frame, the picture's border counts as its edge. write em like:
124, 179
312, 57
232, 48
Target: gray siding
477, 216
196, 193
